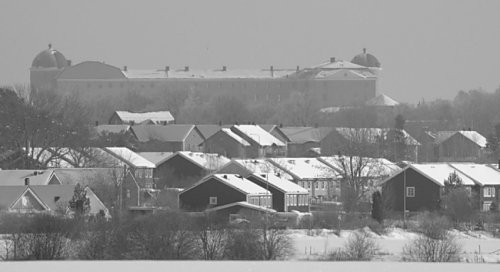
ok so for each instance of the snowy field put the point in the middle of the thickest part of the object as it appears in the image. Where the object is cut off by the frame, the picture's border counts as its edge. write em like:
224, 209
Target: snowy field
312, 245
231, 266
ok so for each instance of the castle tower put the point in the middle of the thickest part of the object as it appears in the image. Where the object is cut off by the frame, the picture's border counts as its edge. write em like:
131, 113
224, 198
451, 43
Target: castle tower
45, 68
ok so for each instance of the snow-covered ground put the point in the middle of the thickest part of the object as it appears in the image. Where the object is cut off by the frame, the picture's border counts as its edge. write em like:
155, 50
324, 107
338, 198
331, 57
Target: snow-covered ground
312, 245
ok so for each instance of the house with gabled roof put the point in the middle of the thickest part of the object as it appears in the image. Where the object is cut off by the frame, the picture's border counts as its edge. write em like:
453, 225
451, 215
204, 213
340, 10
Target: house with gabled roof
131, 118
208, 130
262, 143
287, 196
246, 167
371, 139
169, 138
319, 179
227, 143
419, 187
184, 168
275, 130
141, 168
46, 199
222, 189
302, 139
462, 145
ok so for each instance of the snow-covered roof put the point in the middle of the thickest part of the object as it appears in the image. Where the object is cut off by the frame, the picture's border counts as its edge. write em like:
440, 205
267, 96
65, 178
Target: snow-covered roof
207, 73
235, 136
168, 133
439, 172
382, 100
371, 134
258, 135
17, 177
155, 116
480, 173
209, 161
474, 136
257, 166
305, 168
156, 157
234, 181
306, 134
242, 204
370, 167
130, 157
280, 183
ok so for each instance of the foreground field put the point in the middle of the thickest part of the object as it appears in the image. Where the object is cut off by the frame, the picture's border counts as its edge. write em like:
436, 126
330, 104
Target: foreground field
230, 266
312, 245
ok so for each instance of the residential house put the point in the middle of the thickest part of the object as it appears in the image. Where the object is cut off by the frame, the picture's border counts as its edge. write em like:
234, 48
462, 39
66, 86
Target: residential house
262, 143
287, 196
460, 145
239, 212
319, 179
208, 130
276, 132
253, 166
169, 138
418, 187
183, 168
487, 179
369, 142
141, 168
222, 189
303, 139
47, 199
227, 143
131, 118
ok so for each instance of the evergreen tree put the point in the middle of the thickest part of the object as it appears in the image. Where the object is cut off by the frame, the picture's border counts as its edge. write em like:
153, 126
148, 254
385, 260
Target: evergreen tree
377, 209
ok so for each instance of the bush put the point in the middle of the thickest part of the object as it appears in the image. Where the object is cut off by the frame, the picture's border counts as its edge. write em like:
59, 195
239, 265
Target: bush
433, 225
243, 244
359, 247
426, 249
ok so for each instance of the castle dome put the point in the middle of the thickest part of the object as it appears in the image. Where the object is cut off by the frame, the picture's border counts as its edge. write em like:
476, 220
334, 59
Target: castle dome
366, 59
49, 58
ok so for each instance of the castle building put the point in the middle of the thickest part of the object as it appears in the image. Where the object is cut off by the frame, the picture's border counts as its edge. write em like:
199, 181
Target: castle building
332, 83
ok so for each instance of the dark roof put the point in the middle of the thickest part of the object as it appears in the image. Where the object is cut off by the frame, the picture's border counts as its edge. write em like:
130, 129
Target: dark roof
9, 194
208, 130
366, 59
168, 133
49, 58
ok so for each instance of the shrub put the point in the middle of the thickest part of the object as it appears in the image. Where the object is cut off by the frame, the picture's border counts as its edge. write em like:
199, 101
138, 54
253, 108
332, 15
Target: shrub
359, 247
243, 244
433, 225
426, 249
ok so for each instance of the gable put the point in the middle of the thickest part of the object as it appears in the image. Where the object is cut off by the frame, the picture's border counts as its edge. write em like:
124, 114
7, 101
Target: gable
91, 70
28, 201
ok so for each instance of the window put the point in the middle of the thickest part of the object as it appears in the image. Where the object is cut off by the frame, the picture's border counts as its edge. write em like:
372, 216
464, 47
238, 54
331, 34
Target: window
486, 206
212, 200
316, 185
489, 191
410, 191
323, 184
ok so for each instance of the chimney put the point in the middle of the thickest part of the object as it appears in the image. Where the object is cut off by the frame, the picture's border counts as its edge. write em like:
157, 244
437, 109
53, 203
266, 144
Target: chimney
27, 181
272, 71
186, 69
35, 173
125, 68
56, 198
69, 62
225, 176
96, 123
332, 59
364, 50
50, 46
298, 68
224, 68
167, 69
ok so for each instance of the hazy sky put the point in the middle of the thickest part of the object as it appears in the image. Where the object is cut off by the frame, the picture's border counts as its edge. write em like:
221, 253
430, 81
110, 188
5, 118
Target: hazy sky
428, 49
